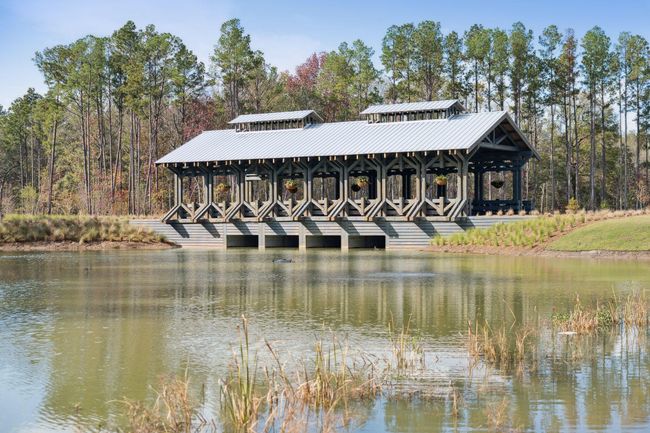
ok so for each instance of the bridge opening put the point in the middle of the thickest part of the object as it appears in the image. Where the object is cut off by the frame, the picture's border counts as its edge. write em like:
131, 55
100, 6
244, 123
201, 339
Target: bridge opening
242, 241
281, 241
323, 241
378, 242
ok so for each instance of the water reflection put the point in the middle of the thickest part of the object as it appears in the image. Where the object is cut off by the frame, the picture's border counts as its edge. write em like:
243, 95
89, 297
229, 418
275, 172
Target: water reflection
80, 330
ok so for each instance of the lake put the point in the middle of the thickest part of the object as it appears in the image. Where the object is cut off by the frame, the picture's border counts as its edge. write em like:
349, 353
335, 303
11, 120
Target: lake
81, 330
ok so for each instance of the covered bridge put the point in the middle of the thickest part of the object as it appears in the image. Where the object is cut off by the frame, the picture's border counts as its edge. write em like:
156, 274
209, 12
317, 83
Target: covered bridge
410, 163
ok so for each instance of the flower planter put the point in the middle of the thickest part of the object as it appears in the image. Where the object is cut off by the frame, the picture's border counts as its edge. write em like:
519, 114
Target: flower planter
222, 188
441, 180
362, 181
497, 183
291, 186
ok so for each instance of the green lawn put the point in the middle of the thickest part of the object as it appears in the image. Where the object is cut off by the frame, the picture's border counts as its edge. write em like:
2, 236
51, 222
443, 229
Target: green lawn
622, 234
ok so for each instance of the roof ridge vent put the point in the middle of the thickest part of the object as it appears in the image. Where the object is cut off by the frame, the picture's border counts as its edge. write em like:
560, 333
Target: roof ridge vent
402, 112
277, 120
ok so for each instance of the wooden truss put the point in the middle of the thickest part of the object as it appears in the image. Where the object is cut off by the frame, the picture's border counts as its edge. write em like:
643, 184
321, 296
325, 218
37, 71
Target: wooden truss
397, 187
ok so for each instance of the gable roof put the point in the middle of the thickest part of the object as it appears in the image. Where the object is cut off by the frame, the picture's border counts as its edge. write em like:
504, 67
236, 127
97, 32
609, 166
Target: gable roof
273, 117
407, 107
460, 132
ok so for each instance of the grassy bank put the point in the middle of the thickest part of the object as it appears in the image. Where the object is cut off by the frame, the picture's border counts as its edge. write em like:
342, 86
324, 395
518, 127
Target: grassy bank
24, 229
615, 229
623, 234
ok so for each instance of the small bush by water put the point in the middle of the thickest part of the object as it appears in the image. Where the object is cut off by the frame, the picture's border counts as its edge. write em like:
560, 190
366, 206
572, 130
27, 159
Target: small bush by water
82, 229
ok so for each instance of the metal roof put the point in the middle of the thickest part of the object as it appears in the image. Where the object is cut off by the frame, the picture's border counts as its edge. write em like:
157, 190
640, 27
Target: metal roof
272, 117
461, 132
412, 106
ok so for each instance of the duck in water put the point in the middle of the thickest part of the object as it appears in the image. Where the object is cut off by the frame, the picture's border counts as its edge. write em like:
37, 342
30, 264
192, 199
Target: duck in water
282, 261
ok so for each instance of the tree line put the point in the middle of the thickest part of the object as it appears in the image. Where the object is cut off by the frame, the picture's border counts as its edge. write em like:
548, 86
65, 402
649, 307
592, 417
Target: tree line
114, 104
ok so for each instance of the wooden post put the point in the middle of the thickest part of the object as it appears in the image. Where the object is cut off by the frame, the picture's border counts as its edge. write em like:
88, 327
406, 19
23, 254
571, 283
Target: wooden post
478, 189
337, 186
464, 176
309, 183
178, 194
478, 185
406, 186
516, 187
383, 185
208, 187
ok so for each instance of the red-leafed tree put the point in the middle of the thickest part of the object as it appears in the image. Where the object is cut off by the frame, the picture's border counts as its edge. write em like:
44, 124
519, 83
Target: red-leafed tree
301, 86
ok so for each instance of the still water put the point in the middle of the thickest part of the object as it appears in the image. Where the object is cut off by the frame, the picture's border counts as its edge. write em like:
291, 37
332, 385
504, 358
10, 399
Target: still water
79, 331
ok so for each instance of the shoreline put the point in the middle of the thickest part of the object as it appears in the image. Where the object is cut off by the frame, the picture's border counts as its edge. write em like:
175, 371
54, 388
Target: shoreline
538, 251
89, 246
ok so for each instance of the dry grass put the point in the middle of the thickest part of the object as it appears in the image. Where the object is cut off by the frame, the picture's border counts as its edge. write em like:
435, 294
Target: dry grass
173, 411
320, 391
632, 310
456, 401
407, 349
82, 229
502, 348
240, 402
529, 233
497, 414
523, 346
336, 379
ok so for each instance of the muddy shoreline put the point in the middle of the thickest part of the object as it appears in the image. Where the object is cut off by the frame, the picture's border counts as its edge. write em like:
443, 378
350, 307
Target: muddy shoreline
89, 246
539, 251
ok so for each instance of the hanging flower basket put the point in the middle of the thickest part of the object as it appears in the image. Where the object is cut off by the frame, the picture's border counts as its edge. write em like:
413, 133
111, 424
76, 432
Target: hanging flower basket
223, 188
362, 181
497, 183
355, 187
441, 180
291, 185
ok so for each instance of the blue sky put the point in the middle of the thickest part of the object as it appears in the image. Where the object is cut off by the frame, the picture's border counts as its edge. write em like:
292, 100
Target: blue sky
287, 31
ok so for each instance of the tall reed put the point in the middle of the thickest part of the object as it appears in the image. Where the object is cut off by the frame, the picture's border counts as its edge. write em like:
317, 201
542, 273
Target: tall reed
240, 403
407, 349
173, 411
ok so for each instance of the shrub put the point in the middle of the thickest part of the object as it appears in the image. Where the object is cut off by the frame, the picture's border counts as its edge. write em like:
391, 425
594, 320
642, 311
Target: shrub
82, 229
572, 205
530, 232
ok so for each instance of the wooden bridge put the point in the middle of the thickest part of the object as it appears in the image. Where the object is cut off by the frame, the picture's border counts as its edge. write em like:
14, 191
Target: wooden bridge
398, 175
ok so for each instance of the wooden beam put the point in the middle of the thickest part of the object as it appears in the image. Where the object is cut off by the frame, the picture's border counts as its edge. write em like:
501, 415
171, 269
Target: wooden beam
501, 147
